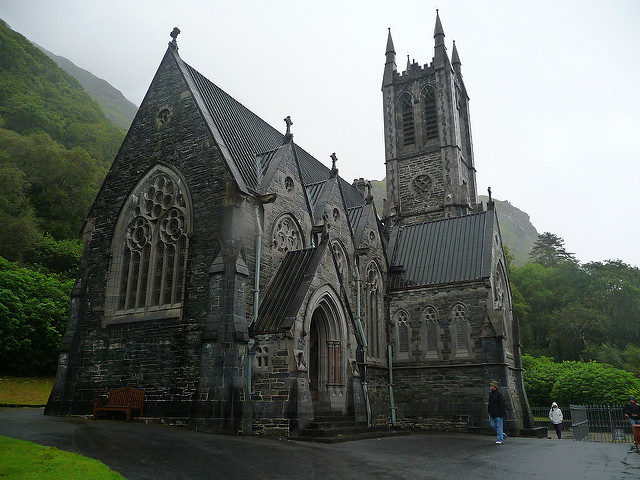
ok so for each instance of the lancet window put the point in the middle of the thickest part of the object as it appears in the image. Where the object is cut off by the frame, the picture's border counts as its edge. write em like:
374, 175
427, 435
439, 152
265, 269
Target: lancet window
403, 332
373, 305
460, 320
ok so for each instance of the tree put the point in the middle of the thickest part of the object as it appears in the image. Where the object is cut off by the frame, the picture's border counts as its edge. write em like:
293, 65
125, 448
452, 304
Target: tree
548, 250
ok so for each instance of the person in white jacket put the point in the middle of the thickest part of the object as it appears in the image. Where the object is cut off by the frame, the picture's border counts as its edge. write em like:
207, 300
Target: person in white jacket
555, 415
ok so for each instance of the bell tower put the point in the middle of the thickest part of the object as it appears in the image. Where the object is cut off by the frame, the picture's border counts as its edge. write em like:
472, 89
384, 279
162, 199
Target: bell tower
428, 152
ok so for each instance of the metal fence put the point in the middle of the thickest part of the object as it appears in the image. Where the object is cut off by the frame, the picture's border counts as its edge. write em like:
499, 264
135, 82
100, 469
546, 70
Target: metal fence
595, 423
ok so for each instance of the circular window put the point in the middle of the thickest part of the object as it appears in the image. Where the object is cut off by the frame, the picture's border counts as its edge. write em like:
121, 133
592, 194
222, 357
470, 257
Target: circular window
423, 184
163, 116
288, 184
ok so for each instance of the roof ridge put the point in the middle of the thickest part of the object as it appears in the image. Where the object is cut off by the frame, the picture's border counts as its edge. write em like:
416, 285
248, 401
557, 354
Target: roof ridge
244, 131
440, 220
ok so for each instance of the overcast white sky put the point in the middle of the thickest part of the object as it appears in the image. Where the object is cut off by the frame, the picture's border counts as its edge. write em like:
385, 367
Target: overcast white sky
554, 86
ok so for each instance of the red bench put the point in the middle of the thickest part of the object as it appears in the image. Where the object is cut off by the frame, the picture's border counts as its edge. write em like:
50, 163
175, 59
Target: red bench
126, 399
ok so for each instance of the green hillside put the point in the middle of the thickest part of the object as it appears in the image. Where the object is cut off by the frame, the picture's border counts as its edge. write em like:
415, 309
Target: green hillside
56, 145
518, 233
116, 107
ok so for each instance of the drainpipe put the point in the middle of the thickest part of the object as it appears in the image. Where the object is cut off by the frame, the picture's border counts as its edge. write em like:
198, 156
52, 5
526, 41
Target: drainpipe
363, 339
393, 405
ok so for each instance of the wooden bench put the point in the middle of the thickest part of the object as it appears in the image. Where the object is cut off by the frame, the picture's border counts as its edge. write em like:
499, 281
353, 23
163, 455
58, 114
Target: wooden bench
126, 399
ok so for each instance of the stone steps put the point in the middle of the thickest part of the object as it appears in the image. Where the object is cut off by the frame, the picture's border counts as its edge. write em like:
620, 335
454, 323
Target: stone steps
334, 427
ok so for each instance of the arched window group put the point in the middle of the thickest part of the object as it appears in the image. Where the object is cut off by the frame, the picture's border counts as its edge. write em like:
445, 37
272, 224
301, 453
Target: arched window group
150, 246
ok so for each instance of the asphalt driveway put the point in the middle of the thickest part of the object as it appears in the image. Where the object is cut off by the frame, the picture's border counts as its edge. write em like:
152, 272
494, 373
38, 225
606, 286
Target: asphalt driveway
157, 452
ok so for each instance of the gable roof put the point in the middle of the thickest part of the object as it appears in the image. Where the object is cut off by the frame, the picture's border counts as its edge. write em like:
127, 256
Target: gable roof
446, 251
242, 135
287, 289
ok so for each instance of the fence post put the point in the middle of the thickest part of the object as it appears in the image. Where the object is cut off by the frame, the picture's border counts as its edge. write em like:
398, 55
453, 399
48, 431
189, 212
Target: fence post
613, 437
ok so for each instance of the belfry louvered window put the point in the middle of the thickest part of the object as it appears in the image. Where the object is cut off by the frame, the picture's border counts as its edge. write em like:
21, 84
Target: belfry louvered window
430, 117
408, 123
150, 247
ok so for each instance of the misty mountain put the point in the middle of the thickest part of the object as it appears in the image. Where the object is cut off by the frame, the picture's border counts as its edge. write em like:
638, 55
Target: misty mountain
116, 107
518, 233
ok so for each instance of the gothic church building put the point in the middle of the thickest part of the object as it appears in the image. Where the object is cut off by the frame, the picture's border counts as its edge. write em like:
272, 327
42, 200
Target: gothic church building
248, 288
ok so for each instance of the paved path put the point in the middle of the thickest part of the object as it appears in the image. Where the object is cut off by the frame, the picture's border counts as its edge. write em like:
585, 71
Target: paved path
157, 452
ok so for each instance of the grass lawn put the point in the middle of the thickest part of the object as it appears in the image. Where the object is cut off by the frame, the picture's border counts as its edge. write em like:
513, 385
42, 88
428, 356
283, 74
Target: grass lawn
20, 460
25, 390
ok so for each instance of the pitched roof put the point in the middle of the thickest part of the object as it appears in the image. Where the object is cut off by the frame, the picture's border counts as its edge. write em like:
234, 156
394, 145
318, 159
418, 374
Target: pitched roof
446, 251
244, 135
287, 289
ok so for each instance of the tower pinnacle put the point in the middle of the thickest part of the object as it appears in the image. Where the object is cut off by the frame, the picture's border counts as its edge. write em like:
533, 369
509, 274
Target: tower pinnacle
455, 58
438, 32
390, 64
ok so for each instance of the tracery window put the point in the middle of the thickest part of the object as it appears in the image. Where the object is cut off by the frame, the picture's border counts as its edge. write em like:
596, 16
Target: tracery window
431, 330
408, 122
262, 357
402, 332
150, 247
286, 234
373, 305
460, 320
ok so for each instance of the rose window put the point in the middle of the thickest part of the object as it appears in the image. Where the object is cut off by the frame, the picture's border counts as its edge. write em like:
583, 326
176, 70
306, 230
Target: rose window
423, 184
286, 235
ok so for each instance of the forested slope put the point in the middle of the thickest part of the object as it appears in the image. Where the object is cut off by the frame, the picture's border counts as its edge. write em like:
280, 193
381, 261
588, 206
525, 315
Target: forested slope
56, 145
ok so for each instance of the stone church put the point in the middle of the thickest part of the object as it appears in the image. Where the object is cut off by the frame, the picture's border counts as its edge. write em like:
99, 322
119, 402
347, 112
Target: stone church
246, 287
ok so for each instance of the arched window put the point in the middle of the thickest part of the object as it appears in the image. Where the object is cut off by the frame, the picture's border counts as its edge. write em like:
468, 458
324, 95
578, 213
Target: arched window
373, 306
431, 331
408, 123
402, 333
430, 115
150, 248
460, 321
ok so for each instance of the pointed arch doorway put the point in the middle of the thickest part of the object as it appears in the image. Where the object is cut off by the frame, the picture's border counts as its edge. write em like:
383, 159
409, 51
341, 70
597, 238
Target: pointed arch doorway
327, 339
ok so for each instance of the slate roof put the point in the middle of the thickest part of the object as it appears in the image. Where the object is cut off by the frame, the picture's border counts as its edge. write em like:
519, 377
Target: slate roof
452, 250
246, 135
287, 289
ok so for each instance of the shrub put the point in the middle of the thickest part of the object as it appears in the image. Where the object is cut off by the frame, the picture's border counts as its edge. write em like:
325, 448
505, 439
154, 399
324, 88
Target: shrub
593, 383
33, 316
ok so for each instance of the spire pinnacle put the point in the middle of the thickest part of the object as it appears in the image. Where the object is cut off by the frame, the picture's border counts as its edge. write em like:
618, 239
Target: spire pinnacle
408, 63
455, 59
390, 47
438, 32
390, 63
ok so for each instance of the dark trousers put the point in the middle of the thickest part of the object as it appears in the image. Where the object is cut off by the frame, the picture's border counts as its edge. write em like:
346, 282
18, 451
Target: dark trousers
558, 427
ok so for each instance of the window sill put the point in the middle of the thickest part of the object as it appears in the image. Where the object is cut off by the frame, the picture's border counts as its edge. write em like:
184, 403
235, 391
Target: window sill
143, 315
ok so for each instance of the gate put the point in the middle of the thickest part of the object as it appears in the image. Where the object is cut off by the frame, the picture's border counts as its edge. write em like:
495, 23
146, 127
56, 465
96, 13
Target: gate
580, 422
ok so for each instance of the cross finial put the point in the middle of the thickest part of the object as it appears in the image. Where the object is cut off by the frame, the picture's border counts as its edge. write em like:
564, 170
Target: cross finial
334, 159
288, 136
174, 35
